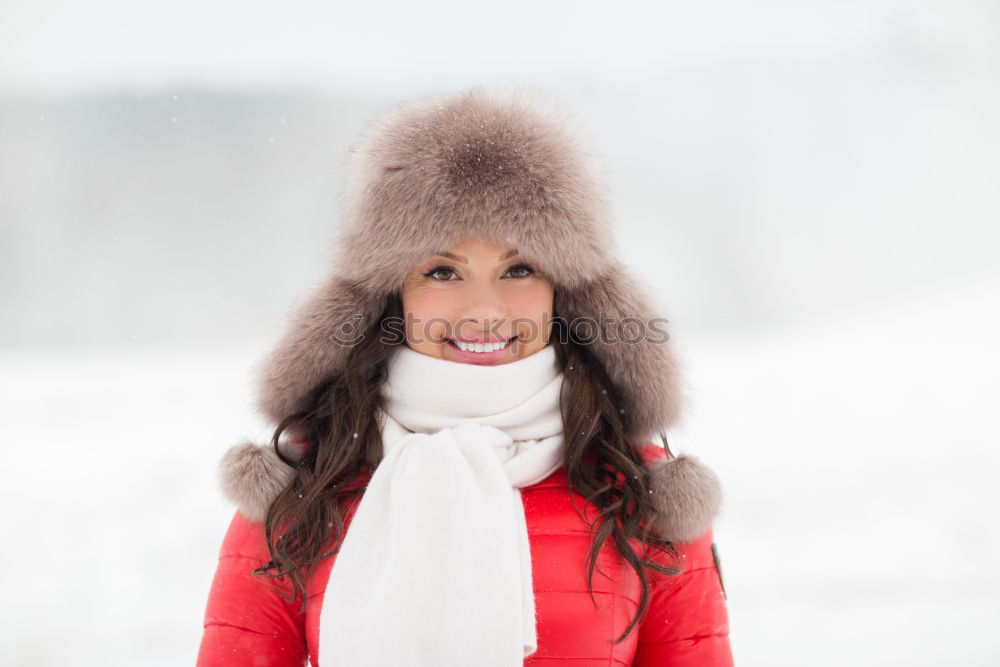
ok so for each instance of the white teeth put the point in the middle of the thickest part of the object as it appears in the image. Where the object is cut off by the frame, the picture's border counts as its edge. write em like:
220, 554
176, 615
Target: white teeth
480, 347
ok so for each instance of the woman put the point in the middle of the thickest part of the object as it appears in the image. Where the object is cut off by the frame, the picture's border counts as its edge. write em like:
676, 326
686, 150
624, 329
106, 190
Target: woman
463, 469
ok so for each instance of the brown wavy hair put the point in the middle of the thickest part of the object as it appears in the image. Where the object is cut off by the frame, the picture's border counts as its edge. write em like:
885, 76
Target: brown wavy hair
304, 524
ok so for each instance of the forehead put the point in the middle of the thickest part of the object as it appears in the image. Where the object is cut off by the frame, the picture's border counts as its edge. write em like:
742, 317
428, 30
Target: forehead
476, 250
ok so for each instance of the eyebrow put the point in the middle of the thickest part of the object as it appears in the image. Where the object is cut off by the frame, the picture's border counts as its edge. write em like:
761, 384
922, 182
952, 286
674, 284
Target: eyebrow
465, 260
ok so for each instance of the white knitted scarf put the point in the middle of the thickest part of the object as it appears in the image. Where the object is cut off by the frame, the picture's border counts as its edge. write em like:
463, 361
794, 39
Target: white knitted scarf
435, 567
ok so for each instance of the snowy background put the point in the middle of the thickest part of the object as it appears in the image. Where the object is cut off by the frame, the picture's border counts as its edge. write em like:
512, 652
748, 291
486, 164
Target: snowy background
812, 187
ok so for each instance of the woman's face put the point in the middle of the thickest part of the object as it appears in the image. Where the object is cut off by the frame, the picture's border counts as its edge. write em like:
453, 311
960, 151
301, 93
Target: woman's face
480, 296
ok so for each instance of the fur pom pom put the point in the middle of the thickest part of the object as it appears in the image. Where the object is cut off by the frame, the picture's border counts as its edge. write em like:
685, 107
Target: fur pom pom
688, 497
251, 476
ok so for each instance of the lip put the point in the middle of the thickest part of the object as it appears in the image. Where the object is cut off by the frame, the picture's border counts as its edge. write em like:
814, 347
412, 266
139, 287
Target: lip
481, 357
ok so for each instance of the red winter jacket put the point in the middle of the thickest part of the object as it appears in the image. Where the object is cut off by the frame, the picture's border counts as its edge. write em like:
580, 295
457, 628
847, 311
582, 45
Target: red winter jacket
247, 623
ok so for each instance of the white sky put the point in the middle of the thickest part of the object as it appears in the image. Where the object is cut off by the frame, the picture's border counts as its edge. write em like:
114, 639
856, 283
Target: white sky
60, 45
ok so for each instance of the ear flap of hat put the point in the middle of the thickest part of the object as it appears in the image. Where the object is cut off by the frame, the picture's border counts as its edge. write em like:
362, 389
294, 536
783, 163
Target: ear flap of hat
615, 317
315, 345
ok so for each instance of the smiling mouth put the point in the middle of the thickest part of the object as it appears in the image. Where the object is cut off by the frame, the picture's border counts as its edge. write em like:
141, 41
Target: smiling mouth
480, 347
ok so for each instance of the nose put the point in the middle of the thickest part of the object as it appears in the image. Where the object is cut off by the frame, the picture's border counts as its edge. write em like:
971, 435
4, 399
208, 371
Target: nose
484, 311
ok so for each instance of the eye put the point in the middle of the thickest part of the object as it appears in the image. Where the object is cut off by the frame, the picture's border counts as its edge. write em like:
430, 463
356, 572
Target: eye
431, 273
520, 270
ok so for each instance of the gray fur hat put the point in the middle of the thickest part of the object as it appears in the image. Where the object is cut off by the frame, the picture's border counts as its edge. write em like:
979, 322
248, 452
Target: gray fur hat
477, 164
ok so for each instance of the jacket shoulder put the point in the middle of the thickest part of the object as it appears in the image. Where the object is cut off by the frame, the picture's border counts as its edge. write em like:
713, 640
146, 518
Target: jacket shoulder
249, 618
245, 537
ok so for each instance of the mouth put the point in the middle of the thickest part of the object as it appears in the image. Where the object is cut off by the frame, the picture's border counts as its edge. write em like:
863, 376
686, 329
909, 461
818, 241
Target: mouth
483, 348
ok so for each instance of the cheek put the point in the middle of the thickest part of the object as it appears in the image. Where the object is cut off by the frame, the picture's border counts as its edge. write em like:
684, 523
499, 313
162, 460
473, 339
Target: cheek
427, 314
532, 301
532, 307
